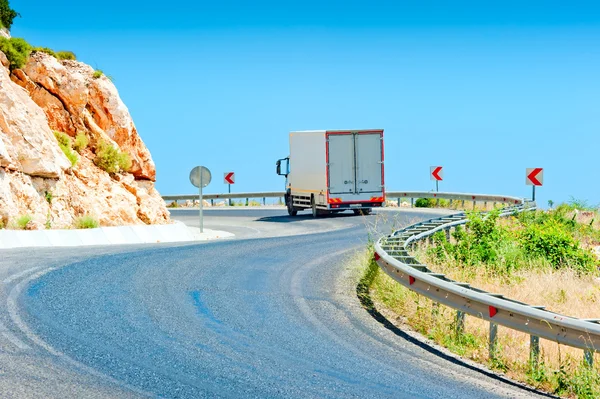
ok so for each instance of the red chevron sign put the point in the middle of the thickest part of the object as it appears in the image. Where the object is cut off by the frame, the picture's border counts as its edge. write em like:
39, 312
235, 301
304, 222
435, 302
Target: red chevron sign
436, 173
229, 178
534, 176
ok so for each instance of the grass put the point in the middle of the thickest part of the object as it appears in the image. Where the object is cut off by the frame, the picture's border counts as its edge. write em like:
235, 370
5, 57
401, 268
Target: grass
86, 222
560, 370
45, 50
66, 145
17, 51
49, 197
22, 222
173, 204
81, 142
562, 285
59, 55
110, 159
66, 55
97, 74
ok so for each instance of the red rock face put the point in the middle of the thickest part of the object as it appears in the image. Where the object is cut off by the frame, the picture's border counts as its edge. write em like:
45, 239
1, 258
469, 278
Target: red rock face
74, 100
37, 179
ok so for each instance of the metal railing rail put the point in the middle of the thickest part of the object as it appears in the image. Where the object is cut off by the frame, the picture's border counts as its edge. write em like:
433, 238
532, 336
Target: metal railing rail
392, 256
389, 195
266, 194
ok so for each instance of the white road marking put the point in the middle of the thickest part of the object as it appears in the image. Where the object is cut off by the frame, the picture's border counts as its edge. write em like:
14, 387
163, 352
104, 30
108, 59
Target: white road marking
16, 276
11, 305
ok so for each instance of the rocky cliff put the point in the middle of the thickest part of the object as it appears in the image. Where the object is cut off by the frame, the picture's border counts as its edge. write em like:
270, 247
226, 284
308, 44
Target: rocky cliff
47, 99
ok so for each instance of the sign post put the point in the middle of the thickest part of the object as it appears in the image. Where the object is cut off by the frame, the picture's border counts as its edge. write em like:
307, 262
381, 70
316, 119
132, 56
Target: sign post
534, 177
200, 177
229, 179
436, 173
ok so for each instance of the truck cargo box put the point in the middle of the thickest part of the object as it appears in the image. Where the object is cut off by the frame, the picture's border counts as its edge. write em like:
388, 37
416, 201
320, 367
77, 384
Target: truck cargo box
334, 170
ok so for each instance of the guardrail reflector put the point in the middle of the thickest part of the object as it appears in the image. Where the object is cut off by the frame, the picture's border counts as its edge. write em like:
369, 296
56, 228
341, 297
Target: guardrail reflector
493, 311
411, 280
376, 256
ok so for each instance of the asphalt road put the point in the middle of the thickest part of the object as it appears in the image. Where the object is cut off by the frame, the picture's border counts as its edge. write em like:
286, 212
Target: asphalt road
267, 314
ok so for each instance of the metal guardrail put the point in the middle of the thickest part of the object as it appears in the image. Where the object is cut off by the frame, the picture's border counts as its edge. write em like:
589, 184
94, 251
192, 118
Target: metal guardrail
267, 194
389, 195
392, 256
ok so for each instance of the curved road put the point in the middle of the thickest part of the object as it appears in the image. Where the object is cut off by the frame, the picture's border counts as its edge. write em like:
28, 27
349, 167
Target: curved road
264, 315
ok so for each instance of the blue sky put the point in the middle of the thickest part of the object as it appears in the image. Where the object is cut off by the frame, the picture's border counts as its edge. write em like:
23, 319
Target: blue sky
485, 90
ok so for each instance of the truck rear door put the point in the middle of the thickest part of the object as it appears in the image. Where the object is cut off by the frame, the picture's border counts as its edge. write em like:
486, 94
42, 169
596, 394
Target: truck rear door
341, 163
368, 163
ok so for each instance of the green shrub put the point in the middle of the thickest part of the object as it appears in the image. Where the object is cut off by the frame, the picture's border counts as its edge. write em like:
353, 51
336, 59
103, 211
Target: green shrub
17, 51
81, 142
124, 162
111, 159
46, 50
66, 55
66, 145
7, 14
554, 242
481, 244
49, 197
173, 204
425, 203
86, 222
97, 74
22, 221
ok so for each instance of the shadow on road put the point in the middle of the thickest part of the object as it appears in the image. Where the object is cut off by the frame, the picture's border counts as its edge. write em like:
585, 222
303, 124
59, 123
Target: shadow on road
307, 216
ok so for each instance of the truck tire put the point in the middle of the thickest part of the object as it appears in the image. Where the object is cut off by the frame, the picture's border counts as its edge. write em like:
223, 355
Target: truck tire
289, 202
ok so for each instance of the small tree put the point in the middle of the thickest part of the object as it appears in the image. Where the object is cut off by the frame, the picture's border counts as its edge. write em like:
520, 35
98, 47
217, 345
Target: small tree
7, 14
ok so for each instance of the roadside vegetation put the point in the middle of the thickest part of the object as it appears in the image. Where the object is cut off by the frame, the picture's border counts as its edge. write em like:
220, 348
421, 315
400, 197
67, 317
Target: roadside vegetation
110, 158
86, 222
66, 145
16, 49
541, 258
7, 14
22, 222
81, 142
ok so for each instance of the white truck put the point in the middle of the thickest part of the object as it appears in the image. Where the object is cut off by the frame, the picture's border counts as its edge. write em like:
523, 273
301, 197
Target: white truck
330, 171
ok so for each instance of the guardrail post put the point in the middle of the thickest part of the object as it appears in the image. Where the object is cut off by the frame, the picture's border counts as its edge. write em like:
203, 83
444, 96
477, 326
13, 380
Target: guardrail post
451, 201
212, 202
493, 339
534, 351
474, 204
447, 234
247, 201
412, 202
398, 202
437, 202
460, 322
588, 355
485, 205
264, 200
